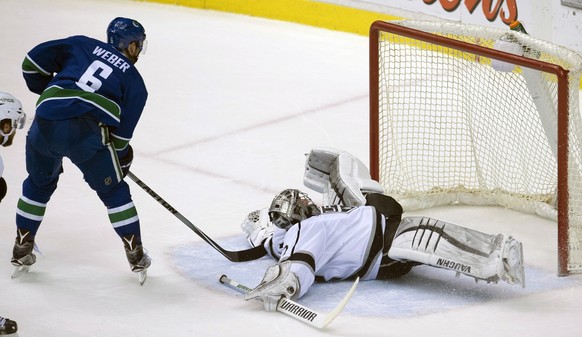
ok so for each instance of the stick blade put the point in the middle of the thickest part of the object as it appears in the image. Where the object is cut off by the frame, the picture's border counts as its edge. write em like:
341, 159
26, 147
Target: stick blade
312, 317
296, 310
340, 307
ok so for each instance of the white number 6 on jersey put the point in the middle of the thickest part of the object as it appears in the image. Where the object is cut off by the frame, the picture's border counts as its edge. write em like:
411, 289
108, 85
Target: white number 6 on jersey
89, 82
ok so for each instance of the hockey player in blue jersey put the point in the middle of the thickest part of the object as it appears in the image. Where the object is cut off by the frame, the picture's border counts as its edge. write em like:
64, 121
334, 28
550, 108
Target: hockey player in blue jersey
91, 99
363, 235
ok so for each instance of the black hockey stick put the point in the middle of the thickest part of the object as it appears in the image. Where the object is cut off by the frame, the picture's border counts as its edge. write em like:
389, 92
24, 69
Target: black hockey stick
235, 256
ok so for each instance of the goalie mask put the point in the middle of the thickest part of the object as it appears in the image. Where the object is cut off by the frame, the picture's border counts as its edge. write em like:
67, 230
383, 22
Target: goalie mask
290, 207
11, 118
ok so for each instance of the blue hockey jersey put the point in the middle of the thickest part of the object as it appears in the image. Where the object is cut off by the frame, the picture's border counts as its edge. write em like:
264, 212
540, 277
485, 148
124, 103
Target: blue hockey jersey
80, 75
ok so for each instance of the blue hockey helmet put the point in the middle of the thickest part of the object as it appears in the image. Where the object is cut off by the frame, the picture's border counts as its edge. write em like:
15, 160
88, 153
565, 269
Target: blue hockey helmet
123, 31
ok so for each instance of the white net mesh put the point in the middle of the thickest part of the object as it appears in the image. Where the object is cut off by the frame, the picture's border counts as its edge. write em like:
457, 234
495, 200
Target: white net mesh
452, 129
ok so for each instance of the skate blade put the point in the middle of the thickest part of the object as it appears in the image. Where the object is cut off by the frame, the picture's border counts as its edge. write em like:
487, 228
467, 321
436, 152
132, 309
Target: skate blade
519, 269
521, 275
19, 271
142, 275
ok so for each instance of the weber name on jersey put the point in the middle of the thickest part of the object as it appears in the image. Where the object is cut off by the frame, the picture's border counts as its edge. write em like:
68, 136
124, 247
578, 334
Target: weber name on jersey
103, 80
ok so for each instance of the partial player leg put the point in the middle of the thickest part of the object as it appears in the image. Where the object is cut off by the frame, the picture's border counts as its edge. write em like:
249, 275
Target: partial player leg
139, 261
446, 245
101, 172
22, 255
125, 222
37, 189
7, 326
392, 211
23, 246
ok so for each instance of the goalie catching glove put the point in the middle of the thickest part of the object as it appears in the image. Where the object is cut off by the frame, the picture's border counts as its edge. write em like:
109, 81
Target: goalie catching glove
339, 176
279, 281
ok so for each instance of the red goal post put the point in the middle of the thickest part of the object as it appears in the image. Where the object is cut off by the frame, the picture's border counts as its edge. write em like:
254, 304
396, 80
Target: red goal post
449, 127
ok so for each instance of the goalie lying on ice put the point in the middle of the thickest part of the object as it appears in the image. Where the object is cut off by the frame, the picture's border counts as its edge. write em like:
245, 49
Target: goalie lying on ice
369, 238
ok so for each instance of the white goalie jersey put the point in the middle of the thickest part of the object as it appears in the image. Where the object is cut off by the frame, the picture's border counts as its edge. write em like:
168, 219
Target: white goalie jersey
331, 246
351, 238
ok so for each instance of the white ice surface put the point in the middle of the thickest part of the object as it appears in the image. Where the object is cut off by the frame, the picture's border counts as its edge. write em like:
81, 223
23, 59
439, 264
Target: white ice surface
234, 104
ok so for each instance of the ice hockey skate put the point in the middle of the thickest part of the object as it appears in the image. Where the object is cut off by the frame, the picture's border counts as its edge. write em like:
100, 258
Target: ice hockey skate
139, 261
512, 260
7, 326
22, 255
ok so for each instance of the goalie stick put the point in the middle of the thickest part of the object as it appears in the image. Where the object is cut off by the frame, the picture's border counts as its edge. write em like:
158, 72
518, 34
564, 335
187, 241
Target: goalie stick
234, 256
296, 310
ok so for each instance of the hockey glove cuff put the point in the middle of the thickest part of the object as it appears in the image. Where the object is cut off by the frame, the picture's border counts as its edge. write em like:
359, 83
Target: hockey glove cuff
126, 160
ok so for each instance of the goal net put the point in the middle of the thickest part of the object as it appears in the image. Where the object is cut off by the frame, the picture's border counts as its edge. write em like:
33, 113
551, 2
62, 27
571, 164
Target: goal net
455, 119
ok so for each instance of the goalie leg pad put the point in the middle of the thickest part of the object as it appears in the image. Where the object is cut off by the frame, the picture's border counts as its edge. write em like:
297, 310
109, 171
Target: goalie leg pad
279, 281
446, 245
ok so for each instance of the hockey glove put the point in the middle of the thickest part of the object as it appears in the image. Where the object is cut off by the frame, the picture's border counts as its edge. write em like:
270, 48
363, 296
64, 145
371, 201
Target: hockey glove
278, 282
126, 160
258, 227
339, 176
